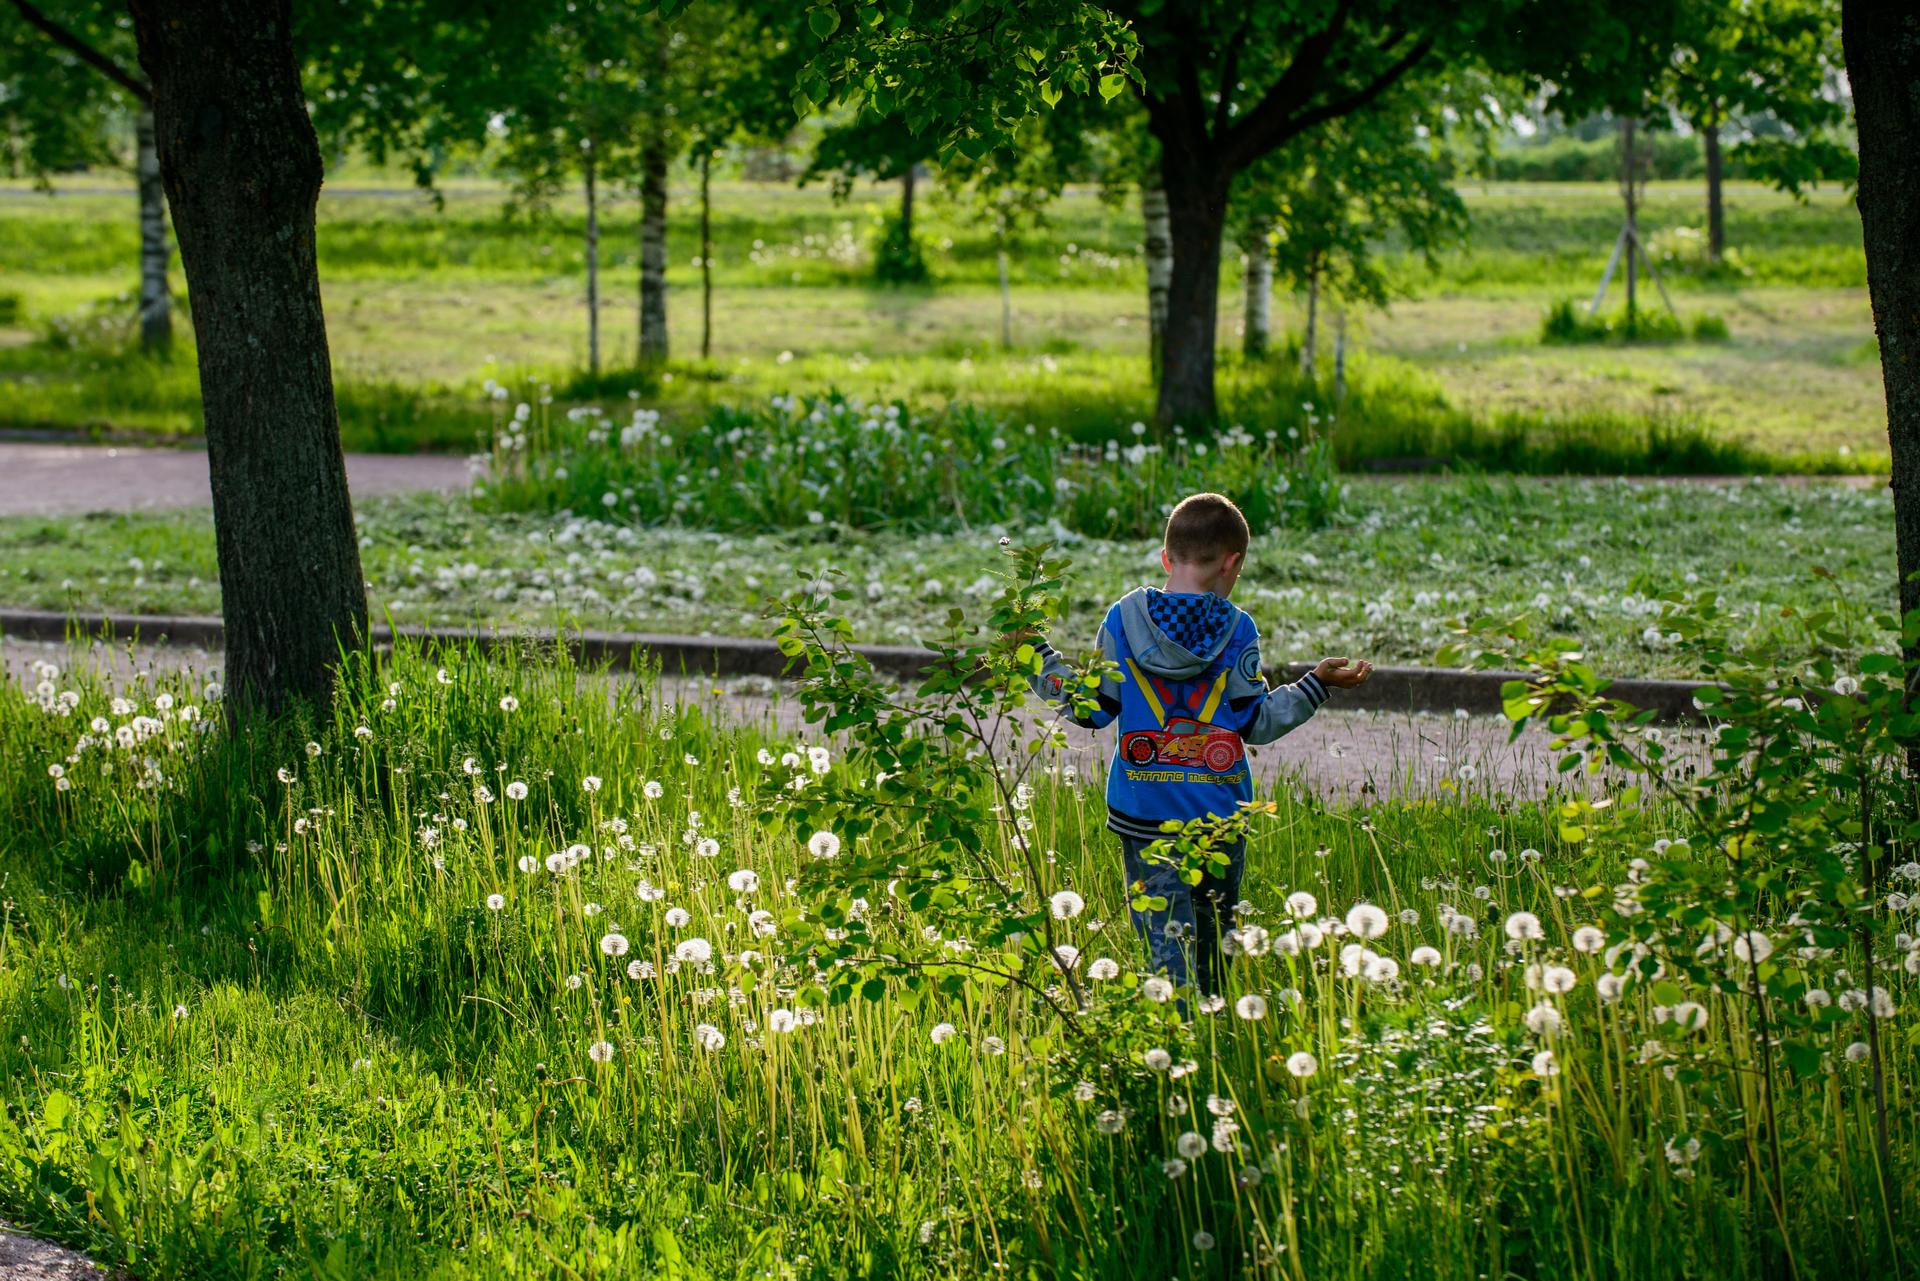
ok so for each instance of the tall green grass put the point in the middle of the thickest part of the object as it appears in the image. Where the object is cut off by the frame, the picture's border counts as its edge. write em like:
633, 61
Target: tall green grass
263, 1014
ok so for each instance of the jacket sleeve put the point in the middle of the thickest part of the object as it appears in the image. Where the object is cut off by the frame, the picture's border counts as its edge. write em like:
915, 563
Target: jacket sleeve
1266, 713
1057, 684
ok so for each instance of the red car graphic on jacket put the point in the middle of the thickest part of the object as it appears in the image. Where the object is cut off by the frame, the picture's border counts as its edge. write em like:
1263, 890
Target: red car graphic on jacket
1184, 742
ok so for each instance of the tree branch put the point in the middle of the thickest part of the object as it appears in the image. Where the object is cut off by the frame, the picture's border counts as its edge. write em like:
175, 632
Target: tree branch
85, 52
1264, 128
1367, 93
1229, 73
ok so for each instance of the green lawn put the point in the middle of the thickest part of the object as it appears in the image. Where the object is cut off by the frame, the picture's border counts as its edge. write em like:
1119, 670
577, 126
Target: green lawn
424, 305
1386, 581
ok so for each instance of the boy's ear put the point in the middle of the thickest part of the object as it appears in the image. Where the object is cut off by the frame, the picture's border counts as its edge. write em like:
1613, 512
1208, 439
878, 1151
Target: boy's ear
1166, 560
1231, 562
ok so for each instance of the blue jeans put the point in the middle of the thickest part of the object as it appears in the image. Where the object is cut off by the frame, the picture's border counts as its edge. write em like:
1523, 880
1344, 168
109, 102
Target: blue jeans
1183, 938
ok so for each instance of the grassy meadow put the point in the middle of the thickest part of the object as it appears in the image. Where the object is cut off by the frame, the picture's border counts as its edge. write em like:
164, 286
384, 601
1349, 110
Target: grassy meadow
494, 969
425, 304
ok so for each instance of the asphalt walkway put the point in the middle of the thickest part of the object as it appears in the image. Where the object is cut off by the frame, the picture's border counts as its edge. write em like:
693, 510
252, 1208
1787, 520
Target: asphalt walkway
47, 479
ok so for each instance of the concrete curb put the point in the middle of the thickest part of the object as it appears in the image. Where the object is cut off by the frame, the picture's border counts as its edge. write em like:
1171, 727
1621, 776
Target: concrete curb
1394, 689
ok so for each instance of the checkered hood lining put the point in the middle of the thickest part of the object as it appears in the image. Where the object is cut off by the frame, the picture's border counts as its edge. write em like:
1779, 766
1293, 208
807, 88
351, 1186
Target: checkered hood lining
1195, 621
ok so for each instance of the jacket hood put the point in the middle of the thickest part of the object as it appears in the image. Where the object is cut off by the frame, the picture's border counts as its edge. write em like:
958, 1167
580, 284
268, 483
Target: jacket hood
1205, 624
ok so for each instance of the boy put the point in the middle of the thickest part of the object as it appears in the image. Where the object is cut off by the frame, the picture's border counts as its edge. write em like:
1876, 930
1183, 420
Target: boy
1189, 696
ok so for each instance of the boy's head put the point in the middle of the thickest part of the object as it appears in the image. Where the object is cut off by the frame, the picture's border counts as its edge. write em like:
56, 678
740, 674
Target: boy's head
1206, 543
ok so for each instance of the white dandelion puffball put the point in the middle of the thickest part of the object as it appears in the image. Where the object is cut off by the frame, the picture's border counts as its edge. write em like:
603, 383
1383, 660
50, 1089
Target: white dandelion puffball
516, 791
601, 1051
1066, 956
780, 1021
1105, 967
1191, 1145
1251, 1006
1690, 1015
744, 881
1544, 1064
652, 789
707, 847
1365, 921
1303, 905
1858, 1052
1302, 1064
710, 1037
1110, 1122
529, 864
496, 901
694, 950
1203, 1240
1066, 905
590, 784
1157, 989
1558, 979
614, 944
509, 704
1544, 1020
1424, 955
942, 1033
1381, 969
637, 970
1752, 946
823, 845
1524, 927
1158, 1059
1609, 986
1589, 939
1173, 1167
1818, 998
677, 917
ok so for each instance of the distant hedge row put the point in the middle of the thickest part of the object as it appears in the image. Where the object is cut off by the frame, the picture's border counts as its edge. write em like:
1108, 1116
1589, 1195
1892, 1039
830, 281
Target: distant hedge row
1569, 159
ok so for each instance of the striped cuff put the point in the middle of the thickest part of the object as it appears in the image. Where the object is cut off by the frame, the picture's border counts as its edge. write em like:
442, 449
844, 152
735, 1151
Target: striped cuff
1316, 691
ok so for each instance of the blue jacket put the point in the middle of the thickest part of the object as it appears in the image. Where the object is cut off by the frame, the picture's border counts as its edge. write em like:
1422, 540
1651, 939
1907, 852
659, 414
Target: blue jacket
1189, 696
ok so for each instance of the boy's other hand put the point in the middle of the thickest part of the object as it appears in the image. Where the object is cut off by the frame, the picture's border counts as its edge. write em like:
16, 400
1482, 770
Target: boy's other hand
1343, 673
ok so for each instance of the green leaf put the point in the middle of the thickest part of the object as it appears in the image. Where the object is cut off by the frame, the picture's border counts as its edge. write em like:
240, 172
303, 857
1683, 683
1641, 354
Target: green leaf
1667, 992
1112, 86
824, 21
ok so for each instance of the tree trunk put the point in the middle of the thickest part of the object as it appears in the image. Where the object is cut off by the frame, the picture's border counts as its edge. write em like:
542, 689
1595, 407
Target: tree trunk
1257, 332
1628, 192
653, 251
156, 302
1309, 341
1157, 248
1197, 208
1882, 43
1006, 299
1716, 211
242, 173
906, 204
593, 263
1339, 355
706, 255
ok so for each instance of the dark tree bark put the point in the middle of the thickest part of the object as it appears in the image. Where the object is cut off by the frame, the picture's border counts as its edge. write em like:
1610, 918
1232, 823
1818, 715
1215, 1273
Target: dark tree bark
1882, 43
242, 173
156, 302
706, 255
653, 250
1716, 210
1628, 192
1197, 208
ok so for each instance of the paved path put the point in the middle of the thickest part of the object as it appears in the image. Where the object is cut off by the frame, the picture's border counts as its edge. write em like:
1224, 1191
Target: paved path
50, 479
1339, 755
25, 1259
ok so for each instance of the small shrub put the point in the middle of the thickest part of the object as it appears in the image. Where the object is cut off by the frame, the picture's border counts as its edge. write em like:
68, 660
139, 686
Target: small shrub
1709, 327
1567, 323
9, 309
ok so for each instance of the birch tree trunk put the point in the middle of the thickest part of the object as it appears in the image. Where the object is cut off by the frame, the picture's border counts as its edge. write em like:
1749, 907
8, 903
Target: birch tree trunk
1716, 205
1257, 332
156, 301
588, 164
1157, 248
1308, 357
242, 172
653, 251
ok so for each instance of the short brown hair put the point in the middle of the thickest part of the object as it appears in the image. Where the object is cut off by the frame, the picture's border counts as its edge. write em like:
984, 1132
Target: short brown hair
1205, 527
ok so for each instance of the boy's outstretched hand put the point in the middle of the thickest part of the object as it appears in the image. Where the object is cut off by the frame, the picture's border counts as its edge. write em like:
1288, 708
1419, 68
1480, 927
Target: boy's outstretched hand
1343, 673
